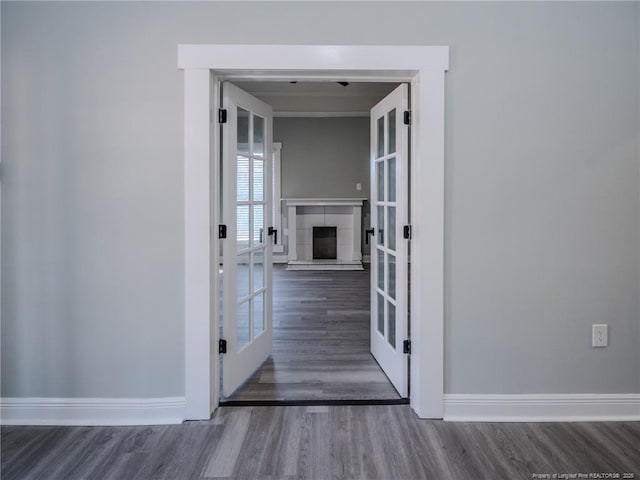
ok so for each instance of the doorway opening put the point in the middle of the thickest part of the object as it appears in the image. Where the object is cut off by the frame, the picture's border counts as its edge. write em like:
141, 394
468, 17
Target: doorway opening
204, 67
321, 351
321, 308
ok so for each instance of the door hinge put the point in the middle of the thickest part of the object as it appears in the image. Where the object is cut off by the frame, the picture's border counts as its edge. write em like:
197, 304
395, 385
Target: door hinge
222, 115
406, 232
406, 346
407, 117
222, 231
222, 346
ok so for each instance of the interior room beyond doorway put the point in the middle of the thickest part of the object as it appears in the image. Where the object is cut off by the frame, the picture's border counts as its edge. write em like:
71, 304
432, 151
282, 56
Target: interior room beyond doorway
321, 319
320, 341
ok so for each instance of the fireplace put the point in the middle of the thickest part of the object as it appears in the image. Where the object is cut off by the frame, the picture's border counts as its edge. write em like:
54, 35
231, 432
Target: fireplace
325, 243
336, 249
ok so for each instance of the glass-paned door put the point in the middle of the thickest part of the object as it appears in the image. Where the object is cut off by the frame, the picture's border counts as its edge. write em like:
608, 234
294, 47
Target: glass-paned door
246, 253
389, 254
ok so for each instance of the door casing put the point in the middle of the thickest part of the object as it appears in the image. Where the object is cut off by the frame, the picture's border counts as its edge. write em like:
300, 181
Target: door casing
205, 66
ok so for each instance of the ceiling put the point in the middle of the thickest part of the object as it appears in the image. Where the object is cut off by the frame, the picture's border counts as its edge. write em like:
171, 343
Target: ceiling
318, 99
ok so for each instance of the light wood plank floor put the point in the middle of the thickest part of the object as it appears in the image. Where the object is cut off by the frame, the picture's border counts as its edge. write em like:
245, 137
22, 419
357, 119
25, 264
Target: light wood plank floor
338, 442
320, 342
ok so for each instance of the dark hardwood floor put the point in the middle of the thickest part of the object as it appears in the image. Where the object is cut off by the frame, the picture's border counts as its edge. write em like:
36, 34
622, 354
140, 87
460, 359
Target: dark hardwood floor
320, 341
337, 442
385, 442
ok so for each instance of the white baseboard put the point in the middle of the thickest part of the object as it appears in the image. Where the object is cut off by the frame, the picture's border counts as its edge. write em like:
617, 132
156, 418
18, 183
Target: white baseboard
280, 258
92, 411
542, 408
457, 407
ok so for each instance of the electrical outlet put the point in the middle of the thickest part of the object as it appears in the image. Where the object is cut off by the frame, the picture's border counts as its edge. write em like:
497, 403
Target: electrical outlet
358, 186
599, 336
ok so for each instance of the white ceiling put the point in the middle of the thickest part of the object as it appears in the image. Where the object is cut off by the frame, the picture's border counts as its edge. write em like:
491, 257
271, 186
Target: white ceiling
318, 98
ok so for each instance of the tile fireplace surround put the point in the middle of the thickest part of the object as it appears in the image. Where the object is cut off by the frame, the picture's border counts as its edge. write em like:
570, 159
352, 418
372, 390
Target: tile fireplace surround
343, 213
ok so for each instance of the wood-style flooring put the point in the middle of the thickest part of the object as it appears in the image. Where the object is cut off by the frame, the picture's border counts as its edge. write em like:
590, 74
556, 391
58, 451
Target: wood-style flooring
321, 443
320, 341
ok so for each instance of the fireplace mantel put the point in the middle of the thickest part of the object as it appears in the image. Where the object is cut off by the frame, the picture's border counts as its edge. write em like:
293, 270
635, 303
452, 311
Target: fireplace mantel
324, 202
344, 213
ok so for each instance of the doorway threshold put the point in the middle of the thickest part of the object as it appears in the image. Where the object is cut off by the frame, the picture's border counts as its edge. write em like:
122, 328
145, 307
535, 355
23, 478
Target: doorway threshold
313, 403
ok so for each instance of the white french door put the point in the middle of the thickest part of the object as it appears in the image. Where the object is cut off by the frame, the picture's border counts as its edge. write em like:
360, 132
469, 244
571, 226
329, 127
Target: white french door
389, 250
246, 251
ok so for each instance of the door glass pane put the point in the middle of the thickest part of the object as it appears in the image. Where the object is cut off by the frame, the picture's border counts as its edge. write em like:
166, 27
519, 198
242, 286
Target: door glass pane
391, 227
391, 126
258, 180
391, 285
392, 179
243, 131
258, 270
242, 330
380, 313
380, 180
380, 232
242, 226
380, 269
258, 315
380, 134
242, 276
392, 324
242, 179
258, 225
258, 136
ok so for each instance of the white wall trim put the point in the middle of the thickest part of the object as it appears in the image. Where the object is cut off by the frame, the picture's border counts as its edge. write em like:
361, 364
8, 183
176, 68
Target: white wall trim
422, 66
309, 62
276, 194
281, 258
320, 114
92, 411
201, 254
542, 408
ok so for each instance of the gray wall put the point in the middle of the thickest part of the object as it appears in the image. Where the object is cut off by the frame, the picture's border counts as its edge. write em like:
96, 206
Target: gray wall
542, 186
324, 158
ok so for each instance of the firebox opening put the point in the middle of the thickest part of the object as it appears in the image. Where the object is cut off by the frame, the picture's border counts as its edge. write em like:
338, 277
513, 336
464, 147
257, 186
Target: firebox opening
325, 245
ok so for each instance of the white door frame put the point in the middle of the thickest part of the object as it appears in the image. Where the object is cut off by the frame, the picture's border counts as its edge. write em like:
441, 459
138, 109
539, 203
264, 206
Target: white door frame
204, 67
